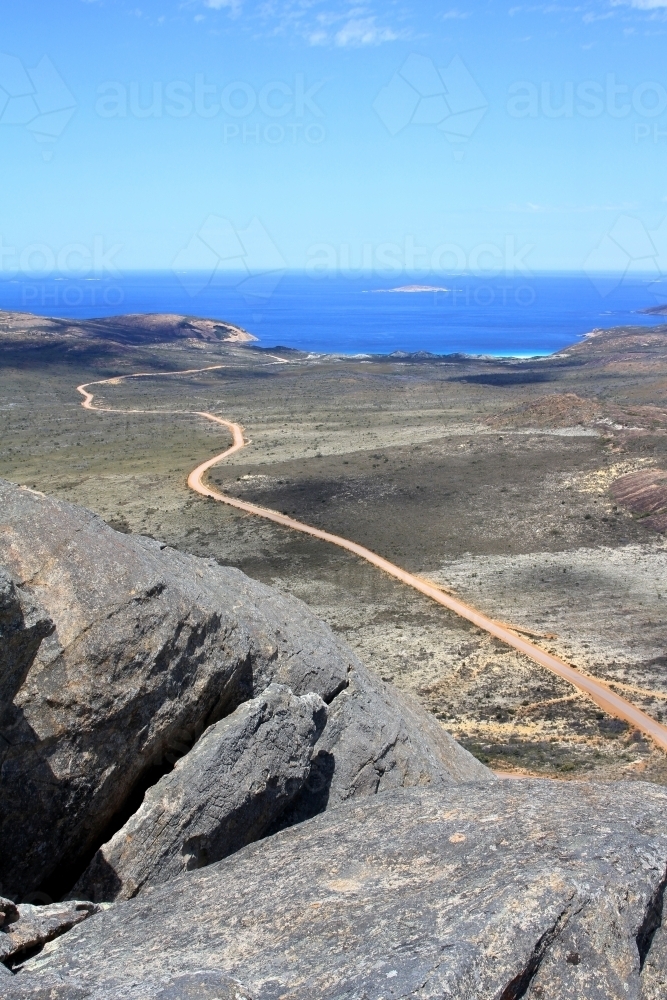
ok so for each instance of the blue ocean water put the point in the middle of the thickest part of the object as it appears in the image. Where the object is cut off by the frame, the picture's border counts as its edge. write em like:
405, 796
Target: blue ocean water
351, 315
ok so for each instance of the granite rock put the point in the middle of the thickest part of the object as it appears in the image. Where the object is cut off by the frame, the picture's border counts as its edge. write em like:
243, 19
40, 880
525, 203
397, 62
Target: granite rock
376, 739
34, 925
204, 984
654, 971
495, 891
22, 627
150, 647
238, 778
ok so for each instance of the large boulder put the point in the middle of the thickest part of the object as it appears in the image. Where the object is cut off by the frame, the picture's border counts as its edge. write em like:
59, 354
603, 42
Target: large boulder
151, 646
238, 779
498, 891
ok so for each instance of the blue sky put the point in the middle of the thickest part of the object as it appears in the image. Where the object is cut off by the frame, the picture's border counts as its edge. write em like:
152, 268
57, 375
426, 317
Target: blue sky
323, 133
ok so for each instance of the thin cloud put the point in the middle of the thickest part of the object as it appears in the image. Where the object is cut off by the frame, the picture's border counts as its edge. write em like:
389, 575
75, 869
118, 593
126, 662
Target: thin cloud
318, 37
318, 22
361, 31
233, 6
648, 4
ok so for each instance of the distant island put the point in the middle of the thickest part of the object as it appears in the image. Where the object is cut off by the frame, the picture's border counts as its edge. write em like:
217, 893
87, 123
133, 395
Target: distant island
411, 289
655, 310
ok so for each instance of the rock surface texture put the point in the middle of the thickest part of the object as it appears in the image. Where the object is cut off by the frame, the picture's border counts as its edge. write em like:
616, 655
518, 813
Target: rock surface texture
238, 779
151, 646
533, 888
22, 628
199, 985
34, 925
376, 739
654, 973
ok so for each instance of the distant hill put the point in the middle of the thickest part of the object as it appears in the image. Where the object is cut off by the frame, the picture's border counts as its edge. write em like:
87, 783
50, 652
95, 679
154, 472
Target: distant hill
132, 330
634, 347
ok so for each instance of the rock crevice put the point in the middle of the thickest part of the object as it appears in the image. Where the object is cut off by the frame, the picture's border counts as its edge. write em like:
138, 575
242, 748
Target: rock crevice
240, 775
653, 919
520, 984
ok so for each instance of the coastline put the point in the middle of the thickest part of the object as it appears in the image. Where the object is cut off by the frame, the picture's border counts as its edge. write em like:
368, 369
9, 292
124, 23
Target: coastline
516, 316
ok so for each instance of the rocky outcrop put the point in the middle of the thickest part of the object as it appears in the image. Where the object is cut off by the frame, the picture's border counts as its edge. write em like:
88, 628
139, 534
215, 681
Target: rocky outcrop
30, 926
133, 670
376, 739
645, 494
151, 646
521, 888
238, 779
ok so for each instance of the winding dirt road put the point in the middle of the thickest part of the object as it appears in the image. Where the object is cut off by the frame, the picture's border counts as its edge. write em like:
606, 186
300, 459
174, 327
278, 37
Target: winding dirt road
597, 691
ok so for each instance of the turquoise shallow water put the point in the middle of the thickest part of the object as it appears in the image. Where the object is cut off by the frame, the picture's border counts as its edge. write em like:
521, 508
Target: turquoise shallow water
522, 316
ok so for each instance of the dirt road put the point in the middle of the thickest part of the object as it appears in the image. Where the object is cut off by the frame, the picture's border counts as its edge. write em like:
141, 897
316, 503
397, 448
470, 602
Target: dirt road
599, 693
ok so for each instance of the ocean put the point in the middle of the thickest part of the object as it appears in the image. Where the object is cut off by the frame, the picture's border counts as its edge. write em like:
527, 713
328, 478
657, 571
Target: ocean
363, 314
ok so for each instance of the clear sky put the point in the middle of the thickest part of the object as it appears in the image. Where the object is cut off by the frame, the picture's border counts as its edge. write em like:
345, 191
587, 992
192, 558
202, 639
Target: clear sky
140, 133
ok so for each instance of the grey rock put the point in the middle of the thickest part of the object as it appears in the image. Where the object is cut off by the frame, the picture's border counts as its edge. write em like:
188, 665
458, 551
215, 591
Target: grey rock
239, 777
654, 972
376, 739
492, 891
22, 628
151, 647
206, 984
37, 924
